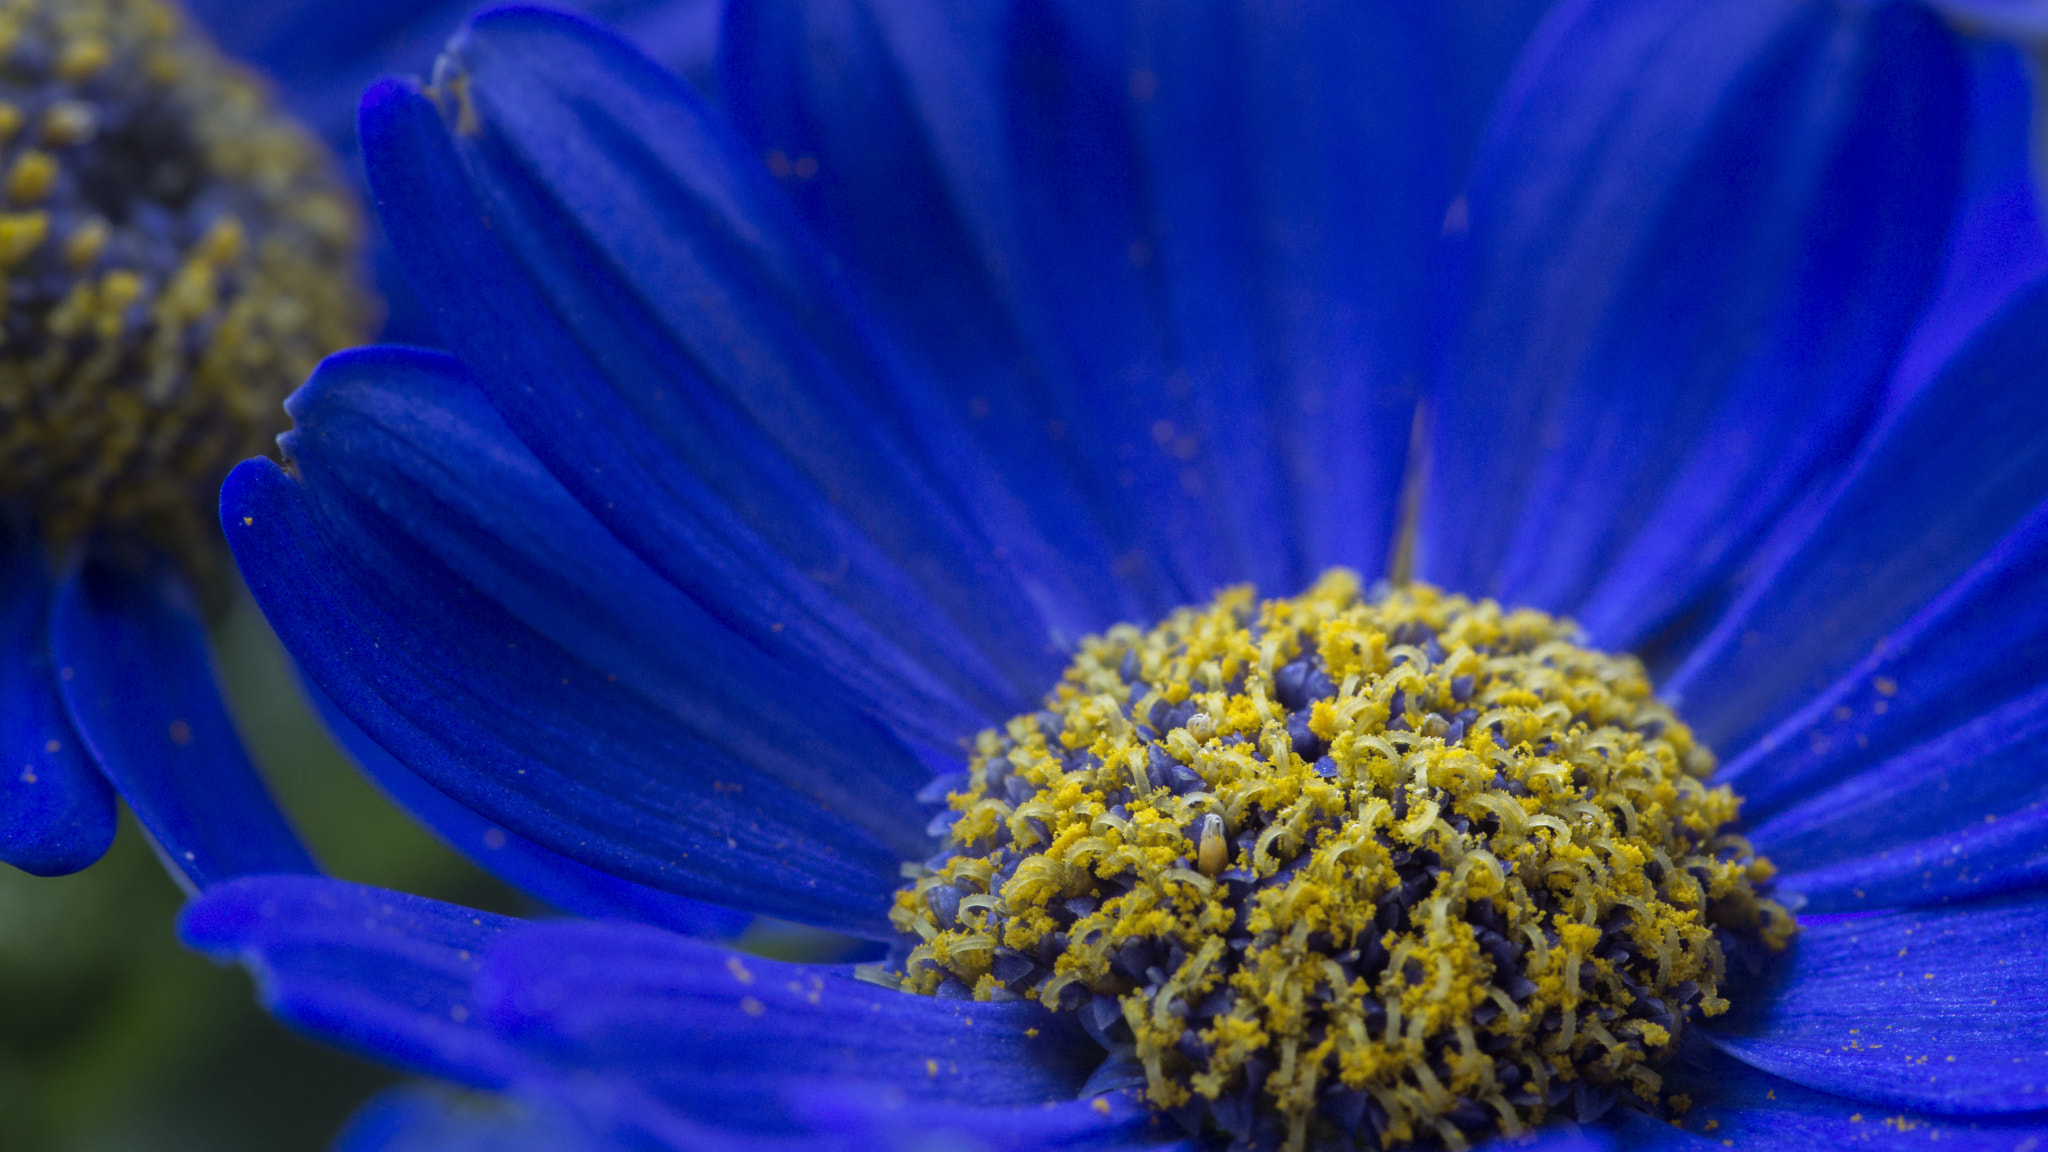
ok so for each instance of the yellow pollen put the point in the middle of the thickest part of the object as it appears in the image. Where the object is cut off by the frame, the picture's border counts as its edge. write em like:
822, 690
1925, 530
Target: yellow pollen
1382, 869
178, 256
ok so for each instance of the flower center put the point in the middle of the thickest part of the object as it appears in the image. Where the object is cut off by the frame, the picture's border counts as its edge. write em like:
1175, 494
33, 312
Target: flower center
177, 256
1389, 870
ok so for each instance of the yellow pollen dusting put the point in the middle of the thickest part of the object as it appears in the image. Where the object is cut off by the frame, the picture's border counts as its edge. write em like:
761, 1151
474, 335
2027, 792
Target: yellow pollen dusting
177, 255
1394, 869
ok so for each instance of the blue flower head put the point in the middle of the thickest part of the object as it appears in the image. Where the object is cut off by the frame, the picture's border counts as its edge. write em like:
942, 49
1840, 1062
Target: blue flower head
923, 500
177, 253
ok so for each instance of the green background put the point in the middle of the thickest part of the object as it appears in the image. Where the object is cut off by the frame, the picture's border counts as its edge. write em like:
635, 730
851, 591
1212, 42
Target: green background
114, 1038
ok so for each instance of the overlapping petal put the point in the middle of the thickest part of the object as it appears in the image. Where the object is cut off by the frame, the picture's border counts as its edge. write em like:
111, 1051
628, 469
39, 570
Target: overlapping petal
382, 974
1735, 1105
137, 679
545, 875
1214, 335
501, 644
1948, 476
1939, 1010
705, 386
56, 809
1699, 233
640, 1033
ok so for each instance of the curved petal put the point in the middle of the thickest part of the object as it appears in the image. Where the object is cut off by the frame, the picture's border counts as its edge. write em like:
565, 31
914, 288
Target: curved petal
1943, 481
382, 974
1959, 815
502, 645
679, 356
137, 678
549, 877
419, 1118
1941, 1010
1953, 661
866, 1120
857, 110
1998, 247
708, 1032
1193, 245
639, 1033
1297, 181
56, 810
1734, 1104
1699, 234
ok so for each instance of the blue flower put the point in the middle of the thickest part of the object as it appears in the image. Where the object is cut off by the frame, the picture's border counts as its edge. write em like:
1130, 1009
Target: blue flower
750, 491
107, 544
178, 253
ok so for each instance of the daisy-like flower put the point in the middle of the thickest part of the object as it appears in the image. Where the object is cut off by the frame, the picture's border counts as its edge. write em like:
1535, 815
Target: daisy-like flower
932, 511
176, 253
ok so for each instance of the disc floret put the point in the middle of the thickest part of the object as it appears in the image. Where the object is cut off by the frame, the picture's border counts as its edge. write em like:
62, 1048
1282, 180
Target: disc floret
1398, 869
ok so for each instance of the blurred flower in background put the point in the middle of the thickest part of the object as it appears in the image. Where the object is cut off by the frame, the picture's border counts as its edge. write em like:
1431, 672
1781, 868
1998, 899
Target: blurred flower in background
178, 255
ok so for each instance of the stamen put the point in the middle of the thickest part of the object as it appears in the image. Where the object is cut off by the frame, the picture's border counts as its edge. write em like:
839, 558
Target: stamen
176, 256
1400, 870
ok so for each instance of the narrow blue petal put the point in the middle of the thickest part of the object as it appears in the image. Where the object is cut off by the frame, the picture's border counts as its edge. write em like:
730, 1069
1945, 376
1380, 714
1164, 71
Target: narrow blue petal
1961, 656
867, 1120
550, 877
2008, 850
418, 1118
1939, 485
382, 974
708, 1032
137, 679
1998, 247
56, 810
1734, 1104
687, 366
1941, 1011
1297, 182
1959, 814
1698, 237
1473, 46
375, 430
1186, 253
856, 109
616, 770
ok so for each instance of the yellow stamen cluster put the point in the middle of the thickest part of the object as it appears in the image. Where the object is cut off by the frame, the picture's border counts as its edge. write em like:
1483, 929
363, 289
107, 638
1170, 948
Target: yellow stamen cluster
175, 256
1391, 870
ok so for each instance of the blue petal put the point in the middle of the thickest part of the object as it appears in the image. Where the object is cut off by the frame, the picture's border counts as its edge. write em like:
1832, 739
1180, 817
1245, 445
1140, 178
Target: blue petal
1941, 1010
416, 1118
551, 878
863, 1120
137, 678
1297, 185
1943, 481
1961, 656
859, 111
708, 1032
1698, 237
1473, 46
382, 974
56, 810
651, 323
1736, 1104
322, 55
500, 644
1961, 814
1222, 336
1998, 247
